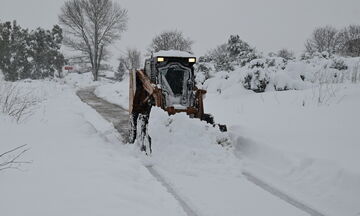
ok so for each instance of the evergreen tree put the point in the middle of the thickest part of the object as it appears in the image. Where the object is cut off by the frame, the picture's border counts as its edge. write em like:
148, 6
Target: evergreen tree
5, 50
121, 70
14, 53
45, 46
34, 55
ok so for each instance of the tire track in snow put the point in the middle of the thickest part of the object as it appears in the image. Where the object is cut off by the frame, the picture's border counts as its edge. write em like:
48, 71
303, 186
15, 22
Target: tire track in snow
278, 193
188, 210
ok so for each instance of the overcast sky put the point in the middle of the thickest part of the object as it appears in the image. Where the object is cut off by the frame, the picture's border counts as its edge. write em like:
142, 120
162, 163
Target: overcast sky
269, 25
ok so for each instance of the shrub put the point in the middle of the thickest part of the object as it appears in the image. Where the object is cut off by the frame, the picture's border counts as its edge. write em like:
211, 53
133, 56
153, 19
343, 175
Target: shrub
257, 77
338, 64
13, 103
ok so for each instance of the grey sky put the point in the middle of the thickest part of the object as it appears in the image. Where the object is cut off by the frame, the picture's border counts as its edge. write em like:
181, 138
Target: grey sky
269, 25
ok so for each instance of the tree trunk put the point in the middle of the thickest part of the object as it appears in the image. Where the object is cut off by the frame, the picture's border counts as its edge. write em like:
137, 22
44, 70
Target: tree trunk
95, 74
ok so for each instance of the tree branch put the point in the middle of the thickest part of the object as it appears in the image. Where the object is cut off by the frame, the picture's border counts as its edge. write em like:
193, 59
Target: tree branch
13, 162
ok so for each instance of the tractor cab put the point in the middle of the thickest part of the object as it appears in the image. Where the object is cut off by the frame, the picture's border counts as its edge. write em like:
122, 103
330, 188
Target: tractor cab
173, 73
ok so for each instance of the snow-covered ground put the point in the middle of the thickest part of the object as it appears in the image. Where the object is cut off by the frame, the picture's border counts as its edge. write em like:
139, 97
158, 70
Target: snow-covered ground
78, 166
198, 162
305, 142
308, 150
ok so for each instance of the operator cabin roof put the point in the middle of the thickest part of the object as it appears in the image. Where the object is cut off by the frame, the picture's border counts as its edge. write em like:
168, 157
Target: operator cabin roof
173, 53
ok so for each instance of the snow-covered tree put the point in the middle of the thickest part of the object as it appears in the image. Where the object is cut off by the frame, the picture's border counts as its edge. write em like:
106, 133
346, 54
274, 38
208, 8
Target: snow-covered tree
220, 56
257, 77
350, 41
240, 51
285, 54
170, 40
323, 39
227, 56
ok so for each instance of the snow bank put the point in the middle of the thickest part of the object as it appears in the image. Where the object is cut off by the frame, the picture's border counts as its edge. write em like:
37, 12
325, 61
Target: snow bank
80, 80
116, 92
189, 145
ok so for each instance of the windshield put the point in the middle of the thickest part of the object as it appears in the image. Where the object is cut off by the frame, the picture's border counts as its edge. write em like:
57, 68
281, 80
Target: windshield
173, 76
174, 79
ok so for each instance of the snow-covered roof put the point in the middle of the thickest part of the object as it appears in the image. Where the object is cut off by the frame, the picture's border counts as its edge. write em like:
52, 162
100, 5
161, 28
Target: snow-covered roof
173, 53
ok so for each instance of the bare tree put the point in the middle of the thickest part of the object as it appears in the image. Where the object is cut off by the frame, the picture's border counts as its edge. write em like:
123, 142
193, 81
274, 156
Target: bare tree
11, 158
323, 39
286, 54
91, 26
350, 41
170, 40
132, 59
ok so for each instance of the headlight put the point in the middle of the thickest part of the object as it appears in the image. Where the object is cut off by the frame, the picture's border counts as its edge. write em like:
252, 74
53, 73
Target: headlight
192, 60
160, 59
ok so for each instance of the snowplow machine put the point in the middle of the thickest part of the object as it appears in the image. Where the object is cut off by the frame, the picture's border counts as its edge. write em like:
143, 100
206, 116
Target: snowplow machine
167, 81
